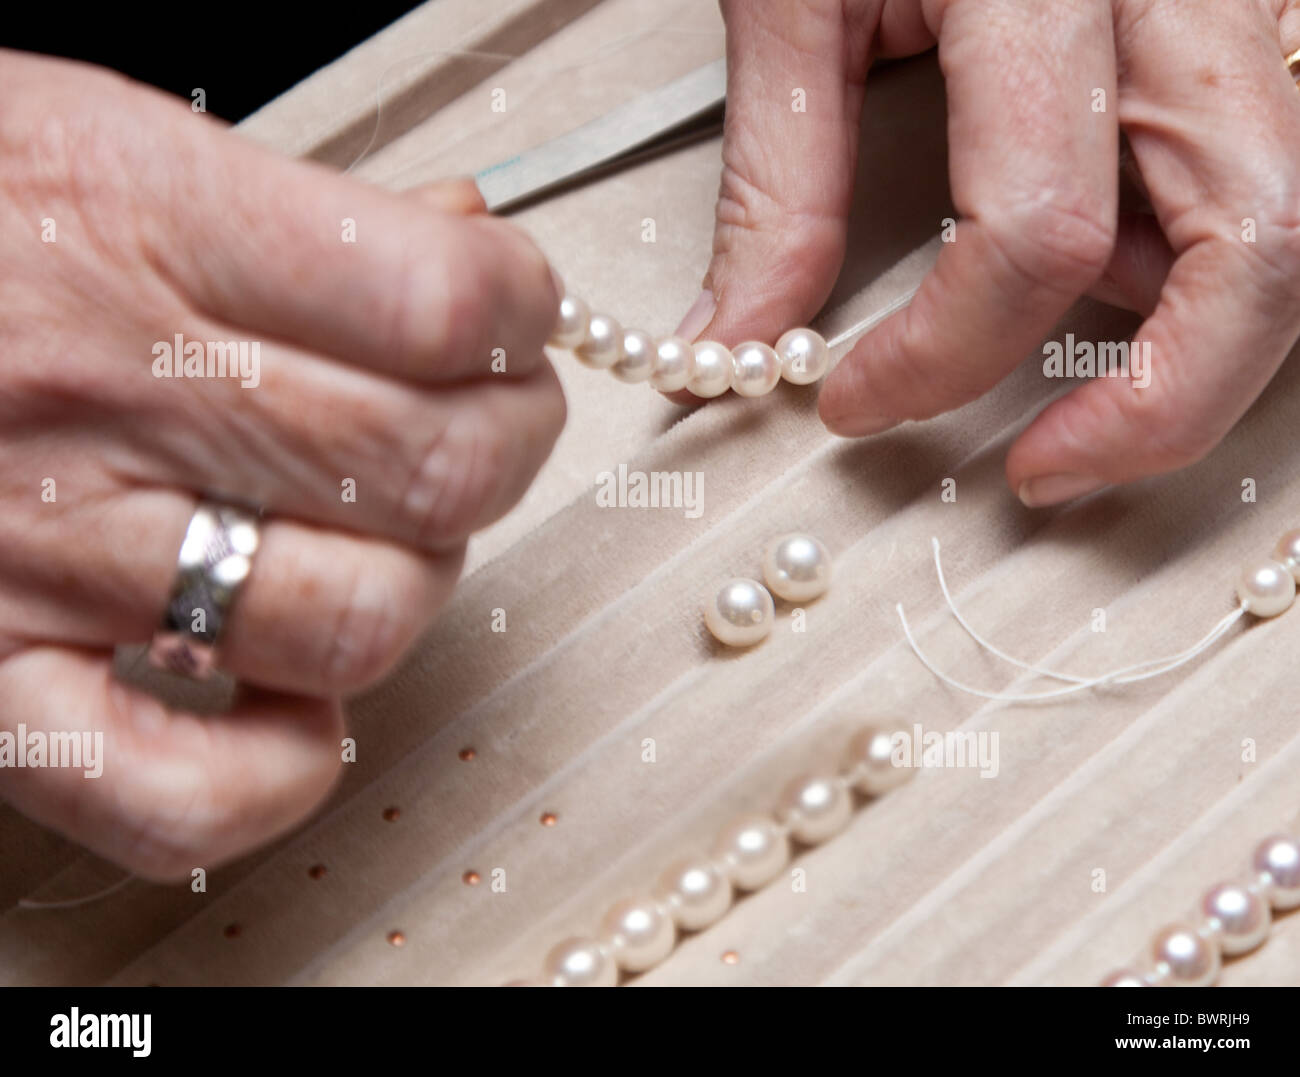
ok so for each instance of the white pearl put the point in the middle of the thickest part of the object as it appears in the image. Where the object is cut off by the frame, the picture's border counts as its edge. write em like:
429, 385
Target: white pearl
712, 374
869, 762
814, 808
638, 933
1238, 916
1287, 551
1278, 856
696, 892
1188, 958
755, 369
674, 364
1266, 588
1124, 978
804, 356
571, 326
752, 850
796, 567
741, 613
602, 347
637, 359
579, 962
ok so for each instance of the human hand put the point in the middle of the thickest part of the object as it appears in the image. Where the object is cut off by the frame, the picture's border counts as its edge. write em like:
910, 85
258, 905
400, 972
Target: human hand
1212, 116
125, 219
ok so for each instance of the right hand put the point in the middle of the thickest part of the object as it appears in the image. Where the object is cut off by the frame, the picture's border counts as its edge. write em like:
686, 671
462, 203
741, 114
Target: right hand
375, 366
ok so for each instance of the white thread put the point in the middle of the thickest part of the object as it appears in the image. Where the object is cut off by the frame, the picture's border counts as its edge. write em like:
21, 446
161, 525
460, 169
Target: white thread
1138, 671
25, 903
874, 318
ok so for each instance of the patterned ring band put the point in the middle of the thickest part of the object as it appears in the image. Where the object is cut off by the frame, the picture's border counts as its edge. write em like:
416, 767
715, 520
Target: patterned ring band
215, 559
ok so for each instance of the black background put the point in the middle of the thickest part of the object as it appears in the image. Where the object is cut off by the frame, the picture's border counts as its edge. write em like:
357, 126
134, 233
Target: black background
241, 53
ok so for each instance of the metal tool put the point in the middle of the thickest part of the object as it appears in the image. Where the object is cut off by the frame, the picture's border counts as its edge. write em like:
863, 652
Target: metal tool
680, 111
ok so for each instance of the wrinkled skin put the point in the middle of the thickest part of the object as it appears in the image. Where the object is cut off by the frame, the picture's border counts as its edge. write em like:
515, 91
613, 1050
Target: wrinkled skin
1213, 118
375, 367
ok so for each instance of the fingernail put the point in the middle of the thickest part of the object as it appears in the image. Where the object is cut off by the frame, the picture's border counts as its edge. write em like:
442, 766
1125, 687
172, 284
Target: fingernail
860, 426
1053, 489
700, 314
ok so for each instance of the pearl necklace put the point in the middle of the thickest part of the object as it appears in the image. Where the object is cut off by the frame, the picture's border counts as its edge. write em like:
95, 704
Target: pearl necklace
1235, 918
692, 893
706, 368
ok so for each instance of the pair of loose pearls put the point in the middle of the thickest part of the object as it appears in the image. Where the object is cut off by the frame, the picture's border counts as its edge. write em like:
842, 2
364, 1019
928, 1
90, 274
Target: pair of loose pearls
1234, 918
797, 568
749, 852
706, 369
1267, 587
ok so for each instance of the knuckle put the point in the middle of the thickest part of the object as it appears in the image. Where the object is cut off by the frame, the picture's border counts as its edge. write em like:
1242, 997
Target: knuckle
1277, 246
456, 479
1063, 241
375, 625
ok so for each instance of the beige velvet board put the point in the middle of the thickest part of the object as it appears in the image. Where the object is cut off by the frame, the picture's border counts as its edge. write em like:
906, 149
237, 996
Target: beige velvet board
951, 879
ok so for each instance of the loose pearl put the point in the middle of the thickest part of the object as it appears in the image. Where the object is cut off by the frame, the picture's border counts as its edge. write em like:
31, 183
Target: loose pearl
752, 850
741, 614
869, 762
804, 356
1238, 916
1278, 856
571, 327
602, 347
674, 364
637, 359
1124, 978
1266, 588
638, 933
712, 374
1189, 959
1287, 551
797, 567
814, 808
696, 892
755, 369
579, 962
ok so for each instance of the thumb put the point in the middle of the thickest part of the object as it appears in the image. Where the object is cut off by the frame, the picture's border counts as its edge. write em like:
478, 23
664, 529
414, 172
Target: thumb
795, 77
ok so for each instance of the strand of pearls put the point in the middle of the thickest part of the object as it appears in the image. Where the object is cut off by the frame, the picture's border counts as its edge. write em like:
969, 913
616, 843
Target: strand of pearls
1234, 918
670, 364
692, 893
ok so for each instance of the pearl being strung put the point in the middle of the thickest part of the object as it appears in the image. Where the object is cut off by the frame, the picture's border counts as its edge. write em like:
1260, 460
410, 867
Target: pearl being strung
602, 347
755, 369
1287, 552
815, 808
579, 962
638, 933
1237, 915
1266, 588
1185, 958
741, 613
695, 891
571, 326
1278, 858
712, 374
752, 850
636, 361
804, 356
674, 365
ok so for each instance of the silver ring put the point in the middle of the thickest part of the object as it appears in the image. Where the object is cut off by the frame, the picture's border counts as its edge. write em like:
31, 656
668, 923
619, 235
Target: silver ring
215, 559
